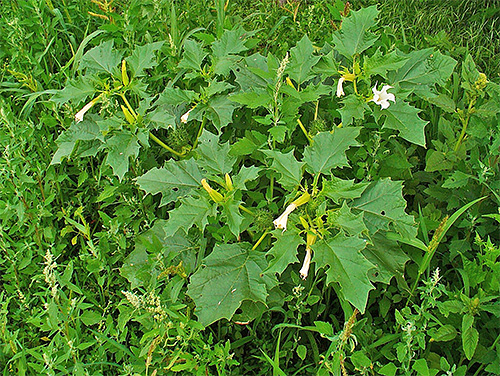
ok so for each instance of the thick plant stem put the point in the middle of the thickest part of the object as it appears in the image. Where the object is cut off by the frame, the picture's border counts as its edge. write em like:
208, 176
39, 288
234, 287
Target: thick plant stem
165, 146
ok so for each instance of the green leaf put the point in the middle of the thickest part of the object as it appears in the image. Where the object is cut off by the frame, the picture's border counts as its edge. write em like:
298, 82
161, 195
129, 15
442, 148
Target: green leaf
444, 102
252, 99
192, 211
470, 74
228, 276
387, 256
103, 58
388, 370
383, 204
423, 69
86, 130
404, 118
310, 93
90, 317
354, 37
231, 212
193, 55
214, 157
338, 189
328, 150
162, 117
216, 87
354, 108
284, 250
174, 96
327, 65
301, 61
120, 147
360, 360
457, 180
288, 168
247, 145
444, 333
470, 336
231, 42
220, 109
420, 366
143, 57
246, 76
75, 91
380, 64
176, 179
344, 219
245, 174
437, 161
141, 267
344, 263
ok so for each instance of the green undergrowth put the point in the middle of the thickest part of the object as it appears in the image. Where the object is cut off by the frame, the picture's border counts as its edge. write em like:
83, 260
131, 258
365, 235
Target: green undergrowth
231, 188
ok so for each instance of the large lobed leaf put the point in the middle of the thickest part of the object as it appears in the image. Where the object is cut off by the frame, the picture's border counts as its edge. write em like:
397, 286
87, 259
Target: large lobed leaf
404, 118
176, 179
328, 150
284, 250
231, 274
344, 263
384, 205
354, 37
288, 168
103, 58
302, 61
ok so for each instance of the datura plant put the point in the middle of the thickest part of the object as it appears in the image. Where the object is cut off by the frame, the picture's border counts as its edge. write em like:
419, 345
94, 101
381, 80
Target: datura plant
250, 157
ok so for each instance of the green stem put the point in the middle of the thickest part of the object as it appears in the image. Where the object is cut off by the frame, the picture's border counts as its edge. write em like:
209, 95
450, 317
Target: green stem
465, 123
246, 210
354, 72
260, 240
200, 131
304, 130
165, 146
128, 105
315, 184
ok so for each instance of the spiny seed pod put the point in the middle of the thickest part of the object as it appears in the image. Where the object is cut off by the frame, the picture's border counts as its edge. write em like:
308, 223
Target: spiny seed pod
318, 125
178, 138
263, 218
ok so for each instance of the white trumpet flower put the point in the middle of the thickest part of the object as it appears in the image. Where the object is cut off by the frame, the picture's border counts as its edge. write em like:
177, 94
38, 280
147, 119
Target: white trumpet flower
282, 220
305, 266
185, 117
79, 114
340, 89
382, 97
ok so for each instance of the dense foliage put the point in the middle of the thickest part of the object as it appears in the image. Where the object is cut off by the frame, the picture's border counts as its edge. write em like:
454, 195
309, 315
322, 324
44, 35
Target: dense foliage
283, 188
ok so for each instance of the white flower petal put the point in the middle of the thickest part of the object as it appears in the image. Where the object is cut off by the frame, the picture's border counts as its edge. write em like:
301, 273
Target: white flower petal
340, 89
382, 97
304, 271
185, 117
79, 114
281, 221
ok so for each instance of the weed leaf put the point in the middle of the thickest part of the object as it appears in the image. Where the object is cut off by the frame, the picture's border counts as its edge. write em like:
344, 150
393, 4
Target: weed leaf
228, 276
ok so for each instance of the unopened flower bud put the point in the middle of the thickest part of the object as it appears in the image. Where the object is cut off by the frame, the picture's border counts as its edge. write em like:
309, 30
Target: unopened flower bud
214, 195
